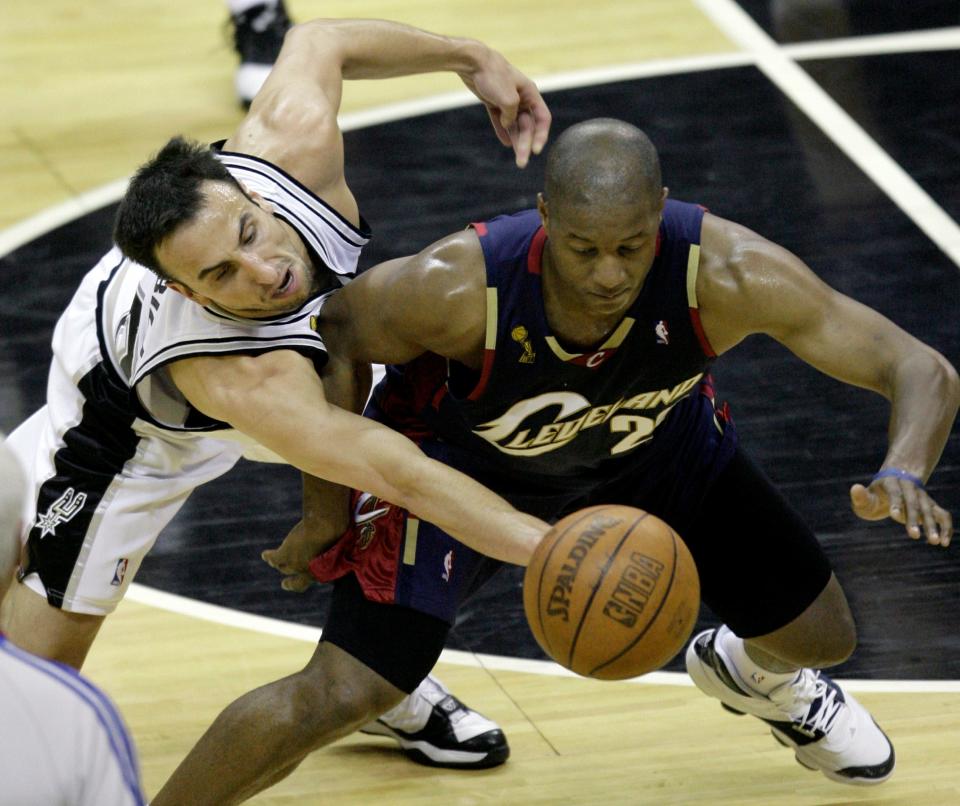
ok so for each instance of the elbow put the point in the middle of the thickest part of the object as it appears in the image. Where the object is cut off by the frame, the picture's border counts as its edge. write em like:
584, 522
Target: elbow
941, 379
950, 382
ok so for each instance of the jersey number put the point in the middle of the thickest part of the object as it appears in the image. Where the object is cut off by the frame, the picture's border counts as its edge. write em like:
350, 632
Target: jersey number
638, 429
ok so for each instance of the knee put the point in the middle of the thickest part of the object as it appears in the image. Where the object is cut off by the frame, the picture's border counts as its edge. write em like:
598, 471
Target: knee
835, 643
347, 703
329, 700
824, 635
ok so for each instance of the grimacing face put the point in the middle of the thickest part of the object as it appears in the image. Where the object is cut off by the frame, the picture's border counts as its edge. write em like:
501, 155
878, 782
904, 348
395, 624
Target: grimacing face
598, 258
238, 256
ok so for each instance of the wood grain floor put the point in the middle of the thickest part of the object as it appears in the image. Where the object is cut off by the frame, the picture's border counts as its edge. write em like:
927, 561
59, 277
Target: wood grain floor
88, 90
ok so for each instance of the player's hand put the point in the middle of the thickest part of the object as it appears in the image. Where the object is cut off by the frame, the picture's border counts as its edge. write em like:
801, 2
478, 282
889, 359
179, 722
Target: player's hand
906, 503
292, 557
517, 110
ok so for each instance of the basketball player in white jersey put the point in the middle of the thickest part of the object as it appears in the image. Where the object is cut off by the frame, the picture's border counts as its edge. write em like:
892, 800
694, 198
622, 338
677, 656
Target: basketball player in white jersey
162, 380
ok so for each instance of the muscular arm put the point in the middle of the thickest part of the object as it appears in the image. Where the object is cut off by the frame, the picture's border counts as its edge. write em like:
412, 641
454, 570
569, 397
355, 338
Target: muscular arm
433, 302
293, 120
750, 285
326, 504
278, 400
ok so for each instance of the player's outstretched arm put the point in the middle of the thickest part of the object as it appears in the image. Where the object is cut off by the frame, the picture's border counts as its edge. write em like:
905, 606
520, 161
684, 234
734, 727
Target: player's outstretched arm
750, 285
326, 505
278, 400
293, 120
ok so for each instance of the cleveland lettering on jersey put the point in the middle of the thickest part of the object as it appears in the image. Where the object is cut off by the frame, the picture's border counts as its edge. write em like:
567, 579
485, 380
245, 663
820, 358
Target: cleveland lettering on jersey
507, 432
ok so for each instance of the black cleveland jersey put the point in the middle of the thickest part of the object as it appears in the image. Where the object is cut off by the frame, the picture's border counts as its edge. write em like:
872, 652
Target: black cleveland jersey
539, 413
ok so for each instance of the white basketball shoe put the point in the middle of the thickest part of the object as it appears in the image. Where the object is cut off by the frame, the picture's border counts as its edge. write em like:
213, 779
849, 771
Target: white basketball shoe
827, 728
257, 38
434, 728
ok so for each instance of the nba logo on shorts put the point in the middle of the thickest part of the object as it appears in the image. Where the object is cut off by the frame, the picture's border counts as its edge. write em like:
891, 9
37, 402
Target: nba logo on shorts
119, 572
447, 566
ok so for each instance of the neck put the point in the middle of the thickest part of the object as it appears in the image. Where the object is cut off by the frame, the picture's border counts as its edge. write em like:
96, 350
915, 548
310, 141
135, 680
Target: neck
572, 327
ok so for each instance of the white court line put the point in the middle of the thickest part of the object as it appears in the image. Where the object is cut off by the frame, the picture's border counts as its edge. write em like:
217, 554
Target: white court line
907, 42
839, 126
19, 234
269, 626
914, 41
26, 231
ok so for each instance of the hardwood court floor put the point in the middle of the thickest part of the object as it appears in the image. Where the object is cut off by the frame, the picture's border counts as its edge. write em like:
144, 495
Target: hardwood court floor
88, 91
574, 741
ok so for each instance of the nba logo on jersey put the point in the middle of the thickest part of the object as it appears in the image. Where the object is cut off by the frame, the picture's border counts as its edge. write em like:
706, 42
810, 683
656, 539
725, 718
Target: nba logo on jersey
119, 572
447, 566
663, 334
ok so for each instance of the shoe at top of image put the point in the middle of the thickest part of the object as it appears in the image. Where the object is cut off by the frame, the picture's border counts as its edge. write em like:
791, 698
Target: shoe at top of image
257, 37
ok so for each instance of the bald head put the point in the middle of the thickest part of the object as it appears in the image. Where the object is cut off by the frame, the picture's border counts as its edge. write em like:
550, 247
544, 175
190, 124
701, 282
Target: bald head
602, 163
12, 490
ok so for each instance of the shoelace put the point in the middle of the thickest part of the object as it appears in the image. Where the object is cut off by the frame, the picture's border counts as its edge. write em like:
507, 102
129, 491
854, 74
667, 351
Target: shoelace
812, 703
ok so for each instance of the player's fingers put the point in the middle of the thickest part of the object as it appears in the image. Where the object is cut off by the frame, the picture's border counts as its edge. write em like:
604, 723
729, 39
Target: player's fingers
929, 522
894, 495
523, 138
537, 109
509, 108
945, 523
866, 504
275, 559
297, 583
911, 509
502, 134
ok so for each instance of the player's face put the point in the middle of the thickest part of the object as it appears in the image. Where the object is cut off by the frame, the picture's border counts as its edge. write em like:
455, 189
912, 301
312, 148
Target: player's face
596, 260
237, 255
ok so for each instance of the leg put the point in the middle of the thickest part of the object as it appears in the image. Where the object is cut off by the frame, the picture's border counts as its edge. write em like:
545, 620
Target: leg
36, 626
371, 656
823, 635
262, 736
769, 580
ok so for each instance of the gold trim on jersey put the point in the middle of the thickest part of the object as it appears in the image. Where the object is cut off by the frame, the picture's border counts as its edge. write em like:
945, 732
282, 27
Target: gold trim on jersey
615, 340
693, 267
490, 342
410, 541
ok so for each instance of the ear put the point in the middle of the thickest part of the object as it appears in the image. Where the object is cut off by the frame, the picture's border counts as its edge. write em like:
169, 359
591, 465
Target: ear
189, 293
258, 200
542, 209
664, 192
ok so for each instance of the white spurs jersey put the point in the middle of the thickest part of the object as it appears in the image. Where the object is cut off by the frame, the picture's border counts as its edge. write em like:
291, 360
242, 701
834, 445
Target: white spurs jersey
143, 326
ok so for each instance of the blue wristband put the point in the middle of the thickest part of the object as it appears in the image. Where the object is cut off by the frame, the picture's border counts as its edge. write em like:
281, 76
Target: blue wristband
896, 472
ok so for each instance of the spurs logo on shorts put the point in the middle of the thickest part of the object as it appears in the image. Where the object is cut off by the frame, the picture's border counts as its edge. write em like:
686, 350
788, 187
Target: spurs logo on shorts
365, 513
60, 511
447, 566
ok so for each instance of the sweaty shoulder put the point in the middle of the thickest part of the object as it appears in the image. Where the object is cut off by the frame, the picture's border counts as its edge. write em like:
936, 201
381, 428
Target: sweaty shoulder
743, 281
434, 301
292, 122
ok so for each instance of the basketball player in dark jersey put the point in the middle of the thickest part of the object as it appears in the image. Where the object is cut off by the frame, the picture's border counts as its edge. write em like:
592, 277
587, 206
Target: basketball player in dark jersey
561, 356
163, 379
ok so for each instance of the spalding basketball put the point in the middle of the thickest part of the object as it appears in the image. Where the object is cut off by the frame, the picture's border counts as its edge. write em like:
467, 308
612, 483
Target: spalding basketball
611, 592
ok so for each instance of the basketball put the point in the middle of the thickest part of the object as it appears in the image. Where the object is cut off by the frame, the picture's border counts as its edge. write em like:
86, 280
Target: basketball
611, 592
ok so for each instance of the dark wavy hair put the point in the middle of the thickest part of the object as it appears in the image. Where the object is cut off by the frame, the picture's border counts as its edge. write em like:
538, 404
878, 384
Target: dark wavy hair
163, 194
